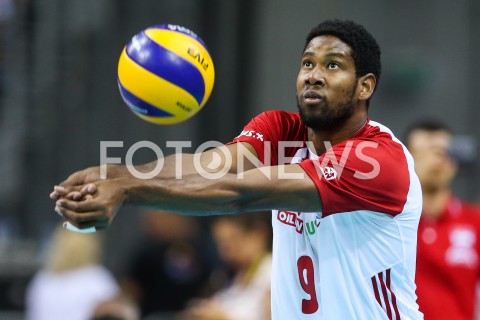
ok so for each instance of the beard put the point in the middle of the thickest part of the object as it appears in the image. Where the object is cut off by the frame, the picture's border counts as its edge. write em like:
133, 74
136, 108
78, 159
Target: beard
327, 116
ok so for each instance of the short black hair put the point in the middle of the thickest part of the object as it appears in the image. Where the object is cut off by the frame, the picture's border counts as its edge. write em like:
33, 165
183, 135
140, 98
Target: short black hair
427, 124
365, 49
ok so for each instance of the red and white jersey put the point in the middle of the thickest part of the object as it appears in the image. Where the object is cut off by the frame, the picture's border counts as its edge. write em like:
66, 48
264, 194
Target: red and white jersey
356, 258
448, 262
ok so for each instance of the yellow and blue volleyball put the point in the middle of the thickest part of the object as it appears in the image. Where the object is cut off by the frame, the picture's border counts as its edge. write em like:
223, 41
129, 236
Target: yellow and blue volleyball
165, 74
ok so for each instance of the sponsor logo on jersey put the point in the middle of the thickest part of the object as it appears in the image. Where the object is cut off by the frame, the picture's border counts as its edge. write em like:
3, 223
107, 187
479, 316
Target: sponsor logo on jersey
251, 133
462, 248
292, 219
329, 173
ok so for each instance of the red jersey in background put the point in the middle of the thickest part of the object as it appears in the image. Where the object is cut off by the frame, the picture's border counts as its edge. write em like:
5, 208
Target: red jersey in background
448, 262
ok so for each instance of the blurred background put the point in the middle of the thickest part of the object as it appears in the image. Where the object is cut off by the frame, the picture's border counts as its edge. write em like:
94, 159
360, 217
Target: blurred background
59, 96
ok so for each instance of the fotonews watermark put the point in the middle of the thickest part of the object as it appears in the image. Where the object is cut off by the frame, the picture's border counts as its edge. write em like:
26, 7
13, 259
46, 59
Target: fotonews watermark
214, 160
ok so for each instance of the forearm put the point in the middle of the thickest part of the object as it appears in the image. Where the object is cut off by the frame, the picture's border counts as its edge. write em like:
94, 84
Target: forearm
173, 166
260, 189
231, 158
193, 195
212, 163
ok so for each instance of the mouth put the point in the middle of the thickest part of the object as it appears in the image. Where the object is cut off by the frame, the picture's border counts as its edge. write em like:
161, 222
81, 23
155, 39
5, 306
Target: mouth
312, 97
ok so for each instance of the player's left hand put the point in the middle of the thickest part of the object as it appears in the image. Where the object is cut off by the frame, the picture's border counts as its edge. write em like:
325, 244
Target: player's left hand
99, 203
78, 193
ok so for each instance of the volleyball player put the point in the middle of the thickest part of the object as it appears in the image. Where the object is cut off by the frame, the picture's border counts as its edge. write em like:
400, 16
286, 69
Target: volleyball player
345, 195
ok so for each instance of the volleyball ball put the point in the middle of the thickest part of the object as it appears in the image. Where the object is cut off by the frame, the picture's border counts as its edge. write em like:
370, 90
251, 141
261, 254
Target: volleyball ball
165, 74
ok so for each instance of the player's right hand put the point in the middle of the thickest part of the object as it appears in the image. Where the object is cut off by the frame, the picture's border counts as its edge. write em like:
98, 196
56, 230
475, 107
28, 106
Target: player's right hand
83, 177
97, 210
72, 193
78, 178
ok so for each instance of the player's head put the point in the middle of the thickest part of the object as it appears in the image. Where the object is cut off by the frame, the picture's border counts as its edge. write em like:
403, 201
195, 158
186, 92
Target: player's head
240, 239
429, 142
340, 67
365, 50
71, 250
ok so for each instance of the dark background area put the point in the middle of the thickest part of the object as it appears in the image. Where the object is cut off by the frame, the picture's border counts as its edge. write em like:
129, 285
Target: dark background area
59, 96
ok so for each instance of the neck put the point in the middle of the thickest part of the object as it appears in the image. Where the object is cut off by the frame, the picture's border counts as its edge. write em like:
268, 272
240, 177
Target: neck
336, 135
434, 203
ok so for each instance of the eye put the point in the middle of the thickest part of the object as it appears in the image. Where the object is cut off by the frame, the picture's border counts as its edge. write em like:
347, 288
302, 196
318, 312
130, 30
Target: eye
307, 64
333, 65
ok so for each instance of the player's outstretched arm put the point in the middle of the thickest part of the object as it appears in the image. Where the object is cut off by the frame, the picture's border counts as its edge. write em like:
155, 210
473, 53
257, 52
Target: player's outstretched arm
259, 189
234, 158
85, 176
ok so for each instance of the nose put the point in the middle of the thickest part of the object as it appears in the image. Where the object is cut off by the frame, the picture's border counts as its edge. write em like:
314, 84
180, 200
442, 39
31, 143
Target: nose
315, 77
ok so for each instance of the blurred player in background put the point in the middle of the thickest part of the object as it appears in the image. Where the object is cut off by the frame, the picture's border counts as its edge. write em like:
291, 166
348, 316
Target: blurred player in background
73, 280
348, 199
170, 265
448, 260
244, 243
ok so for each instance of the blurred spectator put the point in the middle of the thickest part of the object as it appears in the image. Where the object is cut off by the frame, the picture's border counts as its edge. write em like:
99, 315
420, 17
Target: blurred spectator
244, 242
72, 282
171, 265
448, 264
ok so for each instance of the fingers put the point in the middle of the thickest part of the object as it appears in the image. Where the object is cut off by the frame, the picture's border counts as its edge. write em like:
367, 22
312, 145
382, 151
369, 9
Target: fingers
76, 179
84, 214
71, 196
82, 220
55, 194
60, 191
77, 213
73, 193
84, 193
78, 196
76, 204
77, 207
88, 189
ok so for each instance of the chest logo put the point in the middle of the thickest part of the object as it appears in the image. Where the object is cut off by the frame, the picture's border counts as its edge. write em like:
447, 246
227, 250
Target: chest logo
462, 248
329, 173
293, 219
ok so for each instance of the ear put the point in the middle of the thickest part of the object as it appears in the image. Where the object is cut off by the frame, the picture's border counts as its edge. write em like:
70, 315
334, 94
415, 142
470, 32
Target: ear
365, 86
